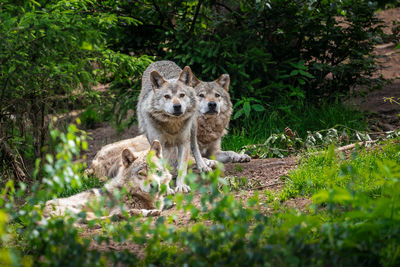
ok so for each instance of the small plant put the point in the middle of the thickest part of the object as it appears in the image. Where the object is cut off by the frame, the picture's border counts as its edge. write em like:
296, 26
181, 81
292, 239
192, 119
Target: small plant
238, 167
288, 142
90, 117
246, 105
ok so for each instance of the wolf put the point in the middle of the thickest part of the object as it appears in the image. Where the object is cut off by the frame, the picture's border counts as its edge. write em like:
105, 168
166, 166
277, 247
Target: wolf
166, 111
214, 113
103, 165
106, 162
133, 173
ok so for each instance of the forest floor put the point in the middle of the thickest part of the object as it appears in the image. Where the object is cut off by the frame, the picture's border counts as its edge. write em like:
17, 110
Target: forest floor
266, 173
385, 113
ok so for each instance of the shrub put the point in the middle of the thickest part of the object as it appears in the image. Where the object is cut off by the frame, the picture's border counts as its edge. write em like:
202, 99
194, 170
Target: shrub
48, 54
286, 54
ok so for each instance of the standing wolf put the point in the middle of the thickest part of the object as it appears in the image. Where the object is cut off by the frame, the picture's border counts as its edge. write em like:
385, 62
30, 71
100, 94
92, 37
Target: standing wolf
166, 111
215, 109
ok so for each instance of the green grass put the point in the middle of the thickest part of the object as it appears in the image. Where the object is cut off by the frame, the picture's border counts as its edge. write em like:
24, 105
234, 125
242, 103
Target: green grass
326, 170
260, 126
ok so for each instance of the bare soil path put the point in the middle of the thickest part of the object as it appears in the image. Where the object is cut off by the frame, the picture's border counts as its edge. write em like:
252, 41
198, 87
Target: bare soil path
385, 112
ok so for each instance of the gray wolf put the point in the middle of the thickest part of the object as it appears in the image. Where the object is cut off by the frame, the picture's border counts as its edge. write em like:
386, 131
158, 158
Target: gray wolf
166, 111
215, 109
103, 165
106, 163
133, 173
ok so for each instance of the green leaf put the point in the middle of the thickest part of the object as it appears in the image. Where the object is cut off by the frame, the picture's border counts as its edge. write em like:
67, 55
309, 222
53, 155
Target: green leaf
306, 74
258, 107
247, 109
86, 46
238, 113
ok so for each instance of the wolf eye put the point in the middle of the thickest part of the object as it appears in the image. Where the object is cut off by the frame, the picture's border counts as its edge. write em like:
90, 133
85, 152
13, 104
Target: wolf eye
182, 95
217, 95
167, 96
201, 95
142, 173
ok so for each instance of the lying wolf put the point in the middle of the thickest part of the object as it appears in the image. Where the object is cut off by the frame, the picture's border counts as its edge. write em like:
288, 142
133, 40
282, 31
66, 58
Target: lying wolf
132, 173
103, 166
166, 111
215, 109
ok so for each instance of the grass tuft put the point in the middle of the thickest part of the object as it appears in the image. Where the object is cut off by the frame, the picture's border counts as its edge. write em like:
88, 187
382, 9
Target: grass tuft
326, 170
259, 127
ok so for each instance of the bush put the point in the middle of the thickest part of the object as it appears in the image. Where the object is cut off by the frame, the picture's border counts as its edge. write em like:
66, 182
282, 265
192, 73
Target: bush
276, 51
48, 53
282, 56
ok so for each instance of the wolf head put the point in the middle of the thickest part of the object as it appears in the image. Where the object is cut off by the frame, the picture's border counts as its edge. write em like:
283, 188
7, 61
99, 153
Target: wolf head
213, 97
175, 96
137, 173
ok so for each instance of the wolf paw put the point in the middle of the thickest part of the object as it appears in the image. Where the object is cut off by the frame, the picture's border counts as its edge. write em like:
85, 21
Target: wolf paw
213, 164
204, 168
147, 213
240, 158
182, 188
170, 191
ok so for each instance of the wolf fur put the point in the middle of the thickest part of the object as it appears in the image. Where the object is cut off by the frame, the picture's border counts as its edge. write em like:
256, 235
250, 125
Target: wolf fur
215, 109
132, 173
166, 111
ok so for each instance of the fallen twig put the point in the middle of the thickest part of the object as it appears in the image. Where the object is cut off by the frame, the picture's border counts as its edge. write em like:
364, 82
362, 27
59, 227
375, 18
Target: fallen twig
268, 185
351, 146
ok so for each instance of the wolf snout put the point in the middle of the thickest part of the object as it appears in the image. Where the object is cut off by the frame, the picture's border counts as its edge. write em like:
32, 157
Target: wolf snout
177, 107
212, 105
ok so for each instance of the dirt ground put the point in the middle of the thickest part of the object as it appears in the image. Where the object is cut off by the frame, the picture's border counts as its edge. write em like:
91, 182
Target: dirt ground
264, 174
385, 112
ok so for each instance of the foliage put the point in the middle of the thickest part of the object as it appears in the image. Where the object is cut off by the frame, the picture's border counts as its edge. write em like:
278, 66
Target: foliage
123, 73
44, 55
321, 171
255, 37
246, 106
302, 120
49, 53
284, 144
285, 54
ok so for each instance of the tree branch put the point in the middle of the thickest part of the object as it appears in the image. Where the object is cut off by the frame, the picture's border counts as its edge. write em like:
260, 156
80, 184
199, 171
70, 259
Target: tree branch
195, 16
11, 158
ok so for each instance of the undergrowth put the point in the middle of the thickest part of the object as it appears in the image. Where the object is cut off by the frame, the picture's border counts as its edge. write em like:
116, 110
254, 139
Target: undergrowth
354, 219
324, 170
302, 119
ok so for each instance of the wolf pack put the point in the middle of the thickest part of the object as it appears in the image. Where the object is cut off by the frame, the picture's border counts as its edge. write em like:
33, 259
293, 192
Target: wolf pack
182, 119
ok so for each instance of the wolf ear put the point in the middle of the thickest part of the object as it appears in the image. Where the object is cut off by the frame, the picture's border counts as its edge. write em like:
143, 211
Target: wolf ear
224, 80
195, 81
156, 79
186, 76
156, 147
128, 157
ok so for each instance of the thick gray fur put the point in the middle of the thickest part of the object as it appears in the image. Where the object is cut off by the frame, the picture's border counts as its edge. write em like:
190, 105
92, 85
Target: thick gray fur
177, 134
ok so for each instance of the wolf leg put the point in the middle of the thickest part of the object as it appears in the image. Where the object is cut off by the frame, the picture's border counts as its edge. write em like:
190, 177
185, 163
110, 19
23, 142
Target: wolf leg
144, 212
183, 155
201, 165
231, 156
